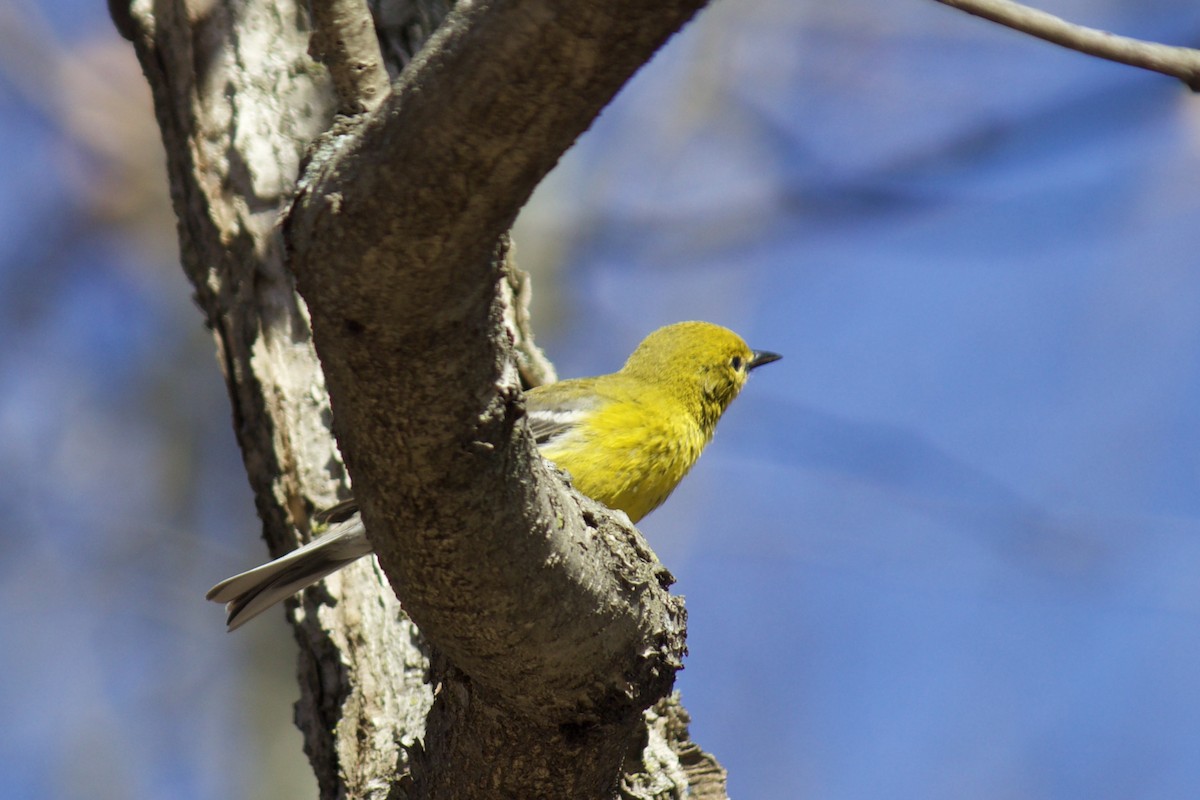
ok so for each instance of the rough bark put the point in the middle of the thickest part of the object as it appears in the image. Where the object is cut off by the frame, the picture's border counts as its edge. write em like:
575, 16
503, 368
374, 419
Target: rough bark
551, 626
238, 101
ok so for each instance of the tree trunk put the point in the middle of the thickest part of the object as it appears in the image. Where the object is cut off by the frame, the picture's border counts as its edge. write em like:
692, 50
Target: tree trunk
367, 252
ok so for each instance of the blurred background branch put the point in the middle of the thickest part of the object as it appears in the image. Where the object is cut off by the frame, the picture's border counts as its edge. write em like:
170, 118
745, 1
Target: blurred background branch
1178, 62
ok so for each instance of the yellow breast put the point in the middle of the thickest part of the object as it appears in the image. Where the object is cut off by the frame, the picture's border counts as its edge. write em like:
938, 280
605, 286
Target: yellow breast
631, 453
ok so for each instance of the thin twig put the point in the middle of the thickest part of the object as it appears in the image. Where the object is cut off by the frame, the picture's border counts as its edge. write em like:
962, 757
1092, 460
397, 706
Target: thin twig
1178, 62
343, 38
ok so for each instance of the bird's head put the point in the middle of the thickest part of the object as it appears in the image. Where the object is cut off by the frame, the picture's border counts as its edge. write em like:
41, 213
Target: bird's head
699, 362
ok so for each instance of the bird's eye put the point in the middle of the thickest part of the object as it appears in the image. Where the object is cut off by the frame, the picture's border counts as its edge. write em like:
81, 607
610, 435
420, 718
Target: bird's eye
736, 363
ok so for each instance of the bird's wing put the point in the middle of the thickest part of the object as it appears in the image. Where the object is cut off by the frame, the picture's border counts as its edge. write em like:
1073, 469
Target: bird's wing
553, 414
338, 513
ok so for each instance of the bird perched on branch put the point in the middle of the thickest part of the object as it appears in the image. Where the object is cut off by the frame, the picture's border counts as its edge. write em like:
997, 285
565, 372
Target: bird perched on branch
626, 439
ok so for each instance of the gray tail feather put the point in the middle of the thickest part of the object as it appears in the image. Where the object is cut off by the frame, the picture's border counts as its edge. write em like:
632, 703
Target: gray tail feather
252, 592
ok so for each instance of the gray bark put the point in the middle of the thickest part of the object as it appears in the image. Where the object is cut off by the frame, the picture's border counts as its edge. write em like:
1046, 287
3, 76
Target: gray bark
546, 631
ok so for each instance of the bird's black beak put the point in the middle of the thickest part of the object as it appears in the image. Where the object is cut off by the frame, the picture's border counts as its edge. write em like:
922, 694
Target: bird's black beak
762, 357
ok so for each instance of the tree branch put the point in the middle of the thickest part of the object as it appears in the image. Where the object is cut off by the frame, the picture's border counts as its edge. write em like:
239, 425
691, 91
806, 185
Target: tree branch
343, 38
1178, 62
550, 621
532, 364
554, 616
218, 72
393, 237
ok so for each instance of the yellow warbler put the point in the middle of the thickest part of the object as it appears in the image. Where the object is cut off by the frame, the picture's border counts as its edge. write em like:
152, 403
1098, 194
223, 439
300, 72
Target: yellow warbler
626, 439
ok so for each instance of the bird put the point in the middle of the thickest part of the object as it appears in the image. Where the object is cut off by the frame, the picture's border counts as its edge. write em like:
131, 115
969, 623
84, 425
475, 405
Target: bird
626, 439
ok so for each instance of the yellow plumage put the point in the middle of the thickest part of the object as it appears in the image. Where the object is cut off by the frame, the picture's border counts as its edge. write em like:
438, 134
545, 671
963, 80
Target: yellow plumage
626, 439
632, 451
